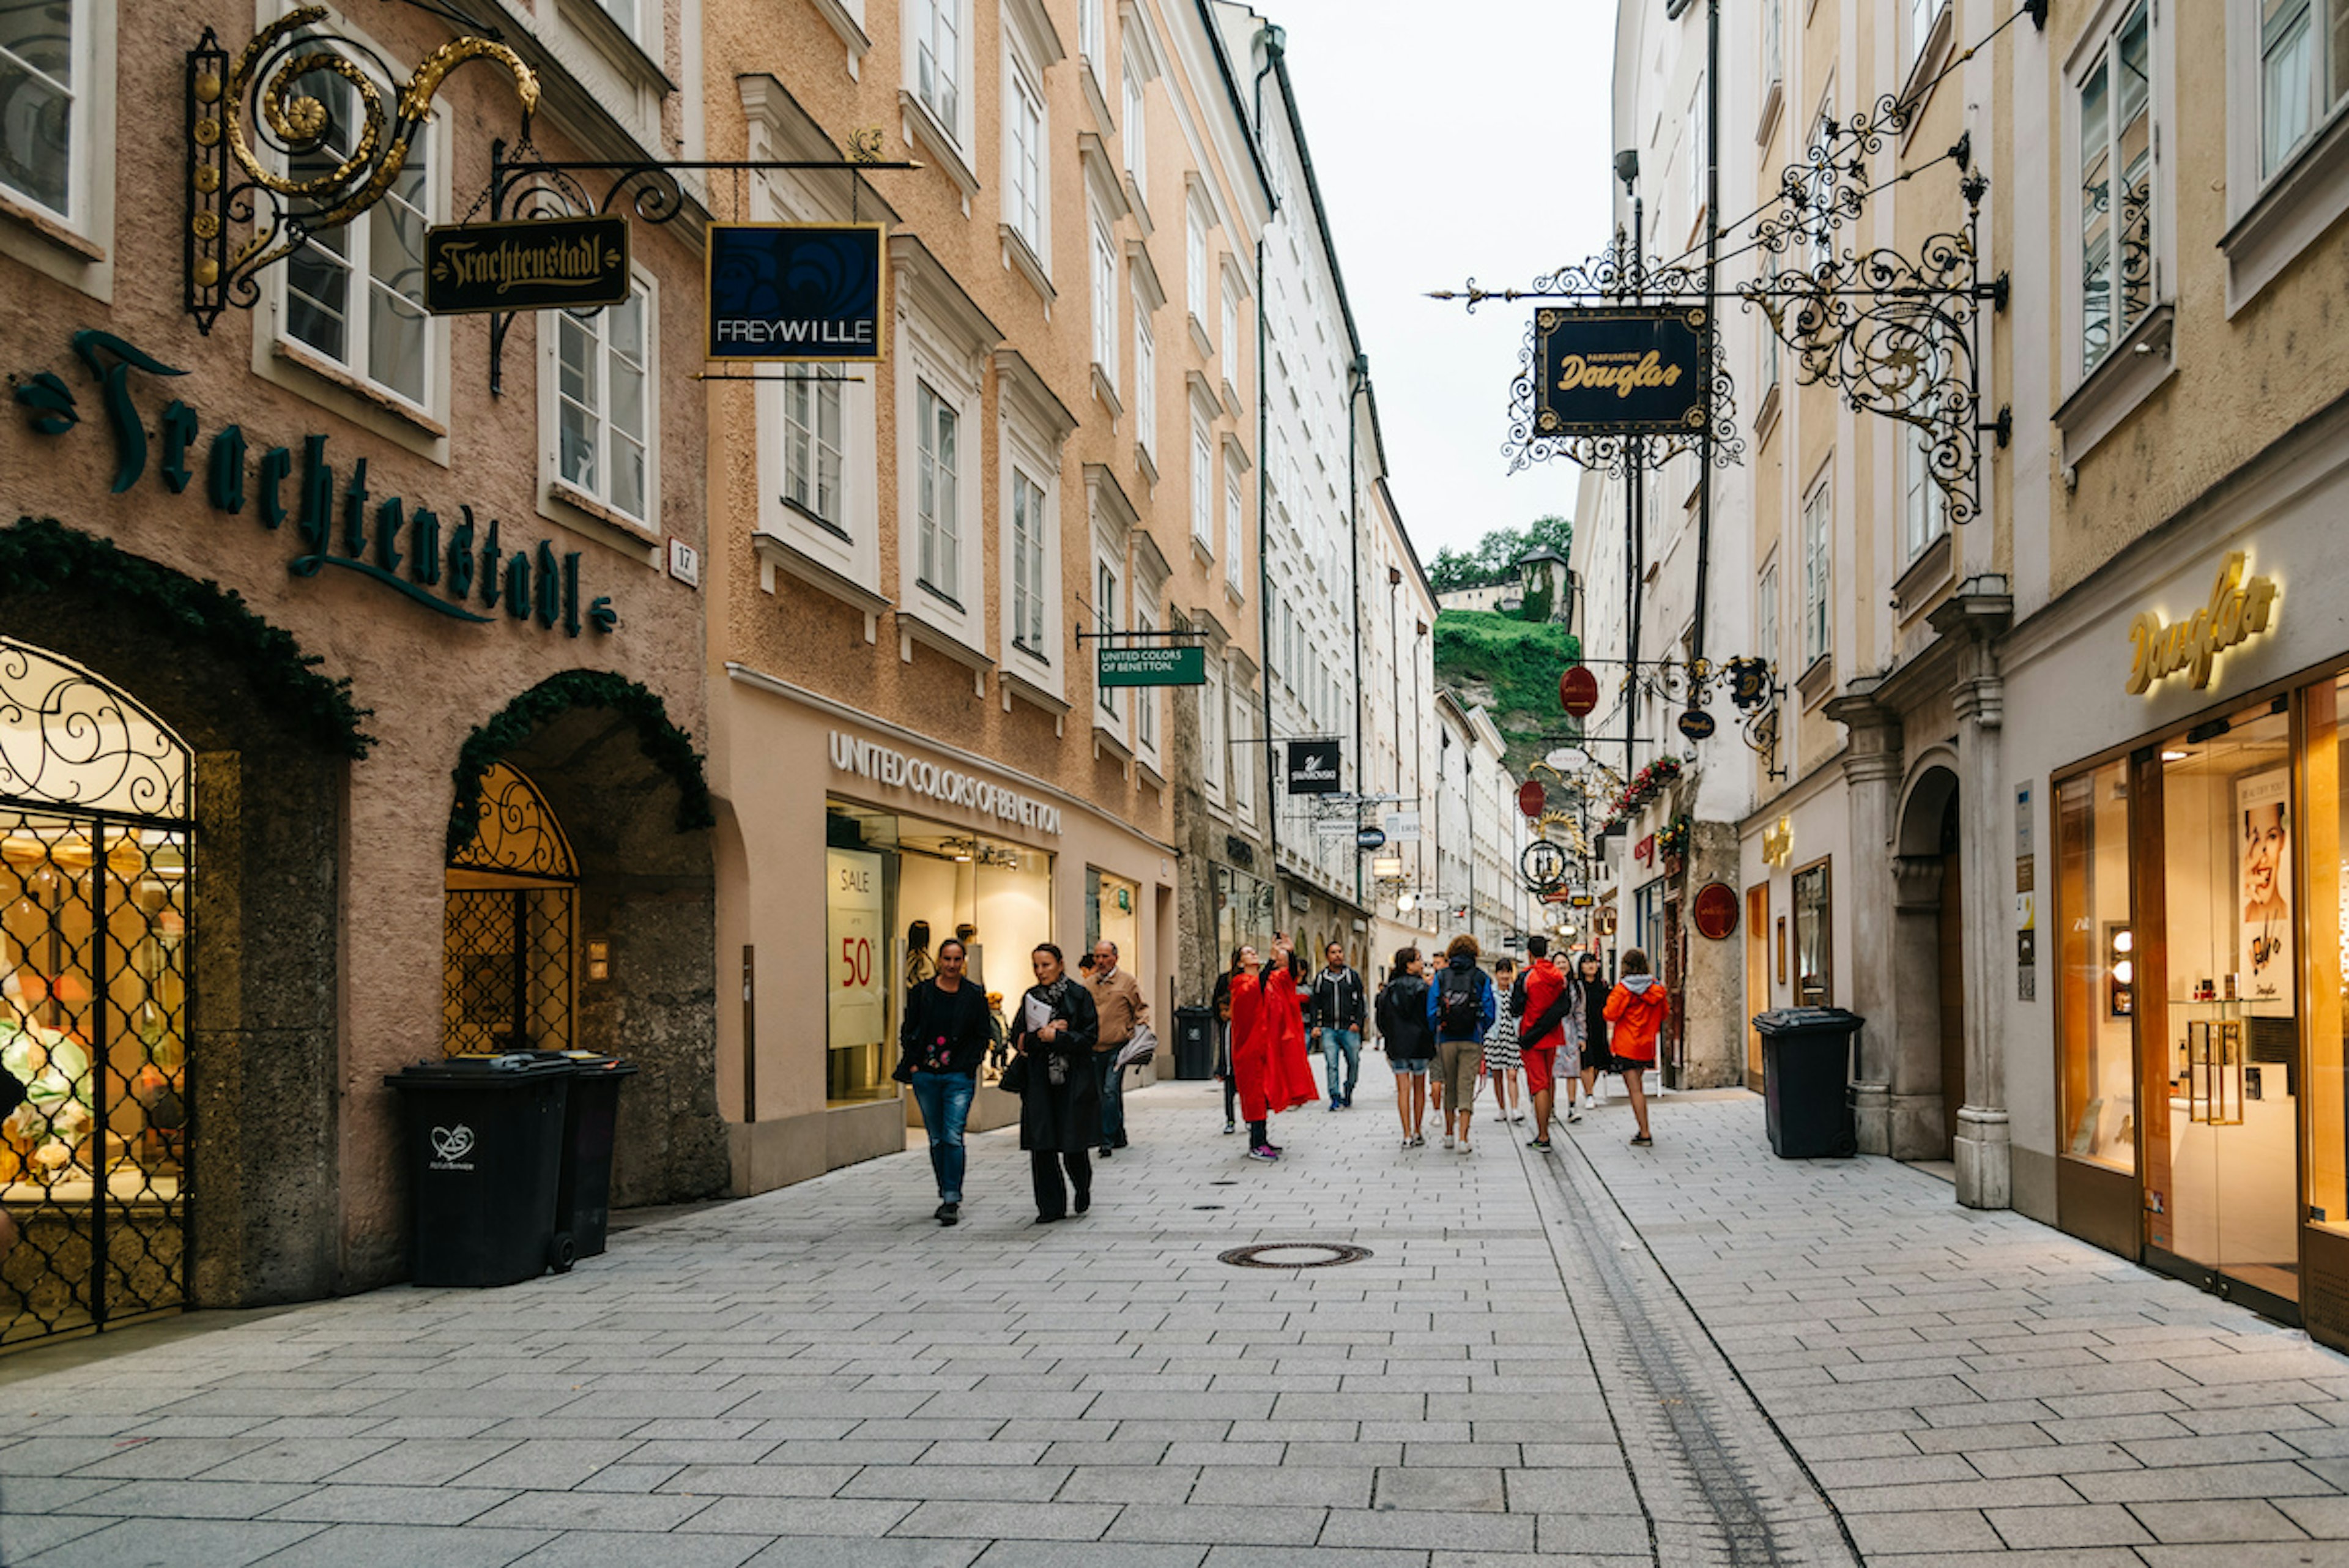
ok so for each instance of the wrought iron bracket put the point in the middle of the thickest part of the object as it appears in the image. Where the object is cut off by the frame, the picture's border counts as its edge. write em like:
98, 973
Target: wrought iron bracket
253, 118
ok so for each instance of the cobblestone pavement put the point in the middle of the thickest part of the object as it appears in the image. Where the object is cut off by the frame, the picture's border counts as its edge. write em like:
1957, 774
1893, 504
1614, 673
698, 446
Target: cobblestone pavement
1692, 1354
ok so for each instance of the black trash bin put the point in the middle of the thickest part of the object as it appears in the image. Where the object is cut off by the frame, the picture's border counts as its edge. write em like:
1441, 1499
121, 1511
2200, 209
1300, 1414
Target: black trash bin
582, 1199
1194, 1042
1806, 1079
485, 1146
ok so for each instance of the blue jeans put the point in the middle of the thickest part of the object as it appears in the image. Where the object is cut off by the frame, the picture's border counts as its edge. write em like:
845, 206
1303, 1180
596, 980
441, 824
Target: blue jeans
1346, 1042
1112, 1084
945, 1099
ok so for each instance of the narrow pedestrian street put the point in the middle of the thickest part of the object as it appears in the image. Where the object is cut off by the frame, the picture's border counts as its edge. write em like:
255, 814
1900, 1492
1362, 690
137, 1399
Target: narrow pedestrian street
1690, 1354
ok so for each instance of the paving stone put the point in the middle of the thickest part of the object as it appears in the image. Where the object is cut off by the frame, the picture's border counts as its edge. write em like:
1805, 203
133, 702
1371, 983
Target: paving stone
603, 1549
1258, 1525
174, 1543
1936, 1530
1025, 1521
2089, 1524
1428, 1528
2216, 1520
341, 1504
400, 1546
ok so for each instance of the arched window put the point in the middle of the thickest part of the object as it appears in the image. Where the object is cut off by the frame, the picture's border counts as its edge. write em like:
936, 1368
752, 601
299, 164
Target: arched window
509, 981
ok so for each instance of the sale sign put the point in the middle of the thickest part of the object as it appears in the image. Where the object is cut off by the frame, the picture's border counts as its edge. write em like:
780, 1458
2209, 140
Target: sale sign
855, 955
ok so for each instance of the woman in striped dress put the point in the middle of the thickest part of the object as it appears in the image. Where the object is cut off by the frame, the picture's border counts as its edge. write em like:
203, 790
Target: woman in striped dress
1501, 1059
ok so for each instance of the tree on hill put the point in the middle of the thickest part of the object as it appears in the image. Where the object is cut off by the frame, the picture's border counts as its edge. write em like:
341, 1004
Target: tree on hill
1496, 555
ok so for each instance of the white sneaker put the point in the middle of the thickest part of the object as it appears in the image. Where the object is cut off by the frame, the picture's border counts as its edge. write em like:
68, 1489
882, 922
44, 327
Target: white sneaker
1596, 1098
1447, 1140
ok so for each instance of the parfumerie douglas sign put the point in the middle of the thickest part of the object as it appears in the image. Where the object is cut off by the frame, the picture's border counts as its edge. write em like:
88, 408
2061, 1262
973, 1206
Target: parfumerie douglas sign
1619, 371
793, 293
898, 771
1152, 666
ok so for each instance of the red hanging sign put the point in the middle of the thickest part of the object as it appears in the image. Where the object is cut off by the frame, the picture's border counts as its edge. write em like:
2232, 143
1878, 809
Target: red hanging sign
1716, 910
1578, 691
1646, 850
1532, 797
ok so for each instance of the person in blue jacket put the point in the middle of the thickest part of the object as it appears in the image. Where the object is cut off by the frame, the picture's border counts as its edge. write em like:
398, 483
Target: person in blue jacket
1461, 1006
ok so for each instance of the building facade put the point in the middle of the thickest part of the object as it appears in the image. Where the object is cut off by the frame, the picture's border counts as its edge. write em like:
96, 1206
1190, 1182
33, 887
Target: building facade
350, 701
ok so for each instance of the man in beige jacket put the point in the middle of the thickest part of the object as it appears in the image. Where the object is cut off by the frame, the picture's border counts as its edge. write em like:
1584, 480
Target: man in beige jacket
1117, 998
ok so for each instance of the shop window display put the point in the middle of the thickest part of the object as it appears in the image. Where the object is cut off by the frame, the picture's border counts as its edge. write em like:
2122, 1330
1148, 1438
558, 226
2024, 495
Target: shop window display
95, 839
895, 888
1814, 937
2325, 844
2098, 958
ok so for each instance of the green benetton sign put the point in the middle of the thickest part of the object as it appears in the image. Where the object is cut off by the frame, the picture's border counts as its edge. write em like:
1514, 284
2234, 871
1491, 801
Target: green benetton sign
1152, 666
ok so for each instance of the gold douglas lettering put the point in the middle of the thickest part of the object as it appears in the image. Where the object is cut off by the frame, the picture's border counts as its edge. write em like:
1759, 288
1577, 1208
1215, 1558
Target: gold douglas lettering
2238, 609
1618, 372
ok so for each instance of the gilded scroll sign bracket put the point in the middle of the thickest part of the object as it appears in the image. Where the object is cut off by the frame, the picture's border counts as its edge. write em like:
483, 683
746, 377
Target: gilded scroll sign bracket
291, 136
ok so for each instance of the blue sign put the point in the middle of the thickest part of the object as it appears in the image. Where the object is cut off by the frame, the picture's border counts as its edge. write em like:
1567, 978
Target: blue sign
797, 292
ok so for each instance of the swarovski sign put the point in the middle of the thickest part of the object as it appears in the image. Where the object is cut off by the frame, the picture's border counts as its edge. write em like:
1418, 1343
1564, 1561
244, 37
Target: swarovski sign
898, 771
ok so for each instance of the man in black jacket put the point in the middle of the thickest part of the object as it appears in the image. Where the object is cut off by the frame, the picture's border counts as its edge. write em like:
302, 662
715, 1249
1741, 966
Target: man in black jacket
1338, 1009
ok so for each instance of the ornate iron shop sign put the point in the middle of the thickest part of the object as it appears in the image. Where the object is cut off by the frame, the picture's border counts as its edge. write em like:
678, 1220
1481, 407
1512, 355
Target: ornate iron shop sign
464, 572
540, 264
1619, 371
795, 293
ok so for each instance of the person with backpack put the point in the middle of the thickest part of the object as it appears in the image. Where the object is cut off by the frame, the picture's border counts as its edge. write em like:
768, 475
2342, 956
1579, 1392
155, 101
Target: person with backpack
1501, 1061
1339, 1011
1269, 1044
1409, 1047
1635, 1013
1460, 1007
1546, 998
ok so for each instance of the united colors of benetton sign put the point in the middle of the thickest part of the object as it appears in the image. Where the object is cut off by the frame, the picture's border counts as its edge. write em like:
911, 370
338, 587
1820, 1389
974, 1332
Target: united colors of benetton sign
797, 292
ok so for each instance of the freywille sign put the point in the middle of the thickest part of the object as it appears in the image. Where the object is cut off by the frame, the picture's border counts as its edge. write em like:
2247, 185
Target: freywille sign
1619, 371
1313, 766
797, 292
539, 264
337, 521
2238, 609
1152, 666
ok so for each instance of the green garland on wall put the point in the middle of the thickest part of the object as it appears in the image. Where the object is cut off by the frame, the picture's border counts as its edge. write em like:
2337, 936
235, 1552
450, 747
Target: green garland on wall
669, 748
40, 555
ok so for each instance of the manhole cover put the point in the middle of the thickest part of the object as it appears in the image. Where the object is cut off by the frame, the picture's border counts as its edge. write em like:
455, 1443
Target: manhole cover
1293, 1255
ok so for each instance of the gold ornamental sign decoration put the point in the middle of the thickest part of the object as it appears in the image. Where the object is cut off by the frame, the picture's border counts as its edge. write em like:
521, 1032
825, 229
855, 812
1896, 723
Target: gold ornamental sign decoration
2239, 609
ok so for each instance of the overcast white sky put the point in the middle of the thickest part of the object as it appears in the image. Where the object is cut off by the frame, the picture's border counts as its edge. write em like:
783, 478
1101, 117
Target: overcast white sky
1466, 138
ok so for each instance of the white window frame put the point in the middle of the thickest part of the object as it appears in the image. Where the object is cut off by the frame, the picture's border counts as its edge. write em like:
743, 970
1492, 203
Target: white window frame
1145, 698
1145, 382
1918, 19
1203, 487
1028, 507
1240, 728
935, 351
1817, 541
1816, 254
1027, 154
1773, 360
921, 21
598, 497
359, 237
1774, 44
938, 484
2322, 89
806, 435
1234, 530
1229, 344
84, 83
1211, 731
2097, 55
1092, 36
1134, 128
1924, 504
1194, 263
1106, 580
1105, 295
1696, 153
1767, 592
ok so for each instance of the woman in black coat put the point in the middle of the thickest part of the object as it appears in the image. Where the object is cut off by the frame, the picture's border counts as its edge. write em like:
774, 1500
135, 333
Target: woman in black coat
1060, 1110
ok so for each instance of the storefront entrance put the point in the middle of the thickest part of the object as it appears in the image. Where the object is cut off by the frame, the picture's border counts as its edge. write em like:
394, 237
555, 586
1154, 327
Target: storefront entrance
96, 833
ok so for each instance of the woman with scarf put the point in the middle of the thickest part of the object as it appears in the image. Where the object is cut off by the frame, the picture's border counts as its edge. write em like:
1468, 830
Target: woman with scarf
1060, 1108
1269, 1044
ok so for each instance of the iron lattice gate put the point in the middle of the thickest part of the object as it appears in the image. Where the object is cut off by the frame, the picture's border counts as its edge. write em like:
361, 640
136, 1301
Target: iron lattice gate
95, 867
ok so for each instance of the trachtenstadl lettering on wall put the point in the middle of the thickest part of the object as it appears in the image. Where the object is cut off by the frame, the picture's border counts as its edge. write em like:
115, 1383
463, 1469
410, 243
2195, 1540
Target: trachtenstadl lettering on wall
2238, 609
381, 539
895, 769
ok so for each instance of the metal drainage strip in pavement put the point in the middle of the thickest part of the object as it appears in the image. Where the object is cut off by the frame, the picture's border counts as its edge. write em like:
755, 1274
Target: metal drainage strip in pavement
1270, 1255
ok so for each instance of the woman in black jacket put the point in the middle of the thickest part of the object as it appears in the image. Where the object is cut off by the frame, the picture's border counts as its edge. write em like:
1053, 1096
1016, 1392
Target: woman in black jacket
1060, 1110
1222, 1003
943, 1038
1409, 1046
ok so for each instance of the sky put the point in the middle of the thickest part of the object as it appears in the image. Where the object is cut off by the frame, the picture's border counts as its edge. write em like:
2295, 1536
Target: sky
1493, 164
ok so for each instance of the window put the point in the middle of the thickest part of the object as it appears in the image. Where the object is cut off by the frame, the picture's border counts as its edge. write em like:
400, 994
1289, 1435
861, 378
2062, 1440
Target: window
2304, 71
1028, 563
936, 429
43, 127
1023, 159
1773, 43
1244, 765
1203, 488
1231, 334
811, 444
1233, 534
2097, 969
1924, 507
1211, 729
355, 294
937, 59
1146, 382
1814, 937
1146, 699
1697, 153
1818, 247
1818, 575
1194, 264
1771, 366
1287, 645
1922, 16
1104, 301
1765, 617
1104, 620
624, 12
604, 392
1137, 130
1093, 30
2117, 262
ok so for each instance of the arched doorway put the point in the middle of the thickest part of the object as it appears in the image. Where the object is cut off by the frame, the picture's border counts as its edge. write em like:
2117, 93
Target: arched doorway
97, 827
1929, 1047
510, 932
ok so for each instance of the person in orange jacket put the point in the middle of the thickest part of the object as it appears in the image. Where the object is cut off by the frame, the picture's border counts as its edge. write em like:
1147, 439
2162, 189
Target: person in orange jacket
1635, 1016
1269, 1044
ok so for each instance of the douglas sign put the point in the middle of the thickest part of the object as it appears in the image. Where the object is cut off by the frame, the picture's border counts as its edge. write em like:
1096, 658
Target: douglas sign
1619, 371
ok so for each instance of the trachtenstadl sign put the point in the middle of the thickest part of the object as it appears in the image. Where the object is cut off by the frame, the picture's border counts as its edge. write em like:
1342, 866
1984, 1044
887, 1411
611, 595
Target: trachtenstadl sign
898, 771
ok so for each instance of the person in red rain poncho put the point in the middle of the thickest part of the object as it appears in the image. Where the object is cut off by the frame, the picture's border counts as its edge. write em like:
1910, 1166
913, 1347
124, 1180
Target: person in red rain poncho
1269, 1044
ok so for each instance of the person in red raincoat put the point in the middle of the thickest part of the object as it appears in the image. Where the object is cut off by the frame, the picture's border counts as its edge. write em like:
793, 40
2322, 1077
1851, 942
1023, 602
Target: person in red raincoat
1269, 1044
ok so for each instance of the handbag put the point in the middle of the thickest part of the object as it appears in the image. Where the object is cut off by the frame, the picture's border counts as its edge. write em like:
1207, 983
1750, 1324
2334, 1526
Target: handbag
1014, 1080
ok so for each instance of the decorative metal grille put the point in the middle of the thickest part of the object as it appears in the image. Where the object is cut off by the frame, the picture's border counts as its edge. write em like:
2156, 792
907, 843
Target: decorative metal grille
93, 1002
510, 977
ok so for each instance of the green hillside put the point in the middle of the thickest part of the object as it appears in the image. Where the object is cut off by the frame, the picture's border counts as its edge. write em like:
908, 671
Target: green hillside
1510, 667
